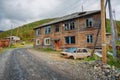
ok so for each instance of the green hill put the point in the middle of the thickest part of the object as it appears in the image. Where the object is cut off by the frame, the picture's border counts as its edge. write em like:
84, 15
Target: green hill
108, 26
26, 32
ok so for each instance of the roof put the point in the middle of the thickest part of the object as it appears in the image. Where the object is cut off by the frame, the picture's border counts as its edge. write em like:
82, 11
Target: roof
69, 17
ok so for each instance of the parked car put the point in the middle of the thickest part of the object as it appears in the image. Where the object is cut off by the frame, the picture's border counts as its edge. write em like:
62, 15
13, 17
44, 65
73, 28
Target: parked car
76, 53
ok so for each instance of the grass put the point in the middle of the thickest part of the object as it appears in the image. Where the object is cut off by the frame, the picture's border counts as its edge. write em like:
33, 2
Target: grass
92, 58
118, 43
47, 50
113, 62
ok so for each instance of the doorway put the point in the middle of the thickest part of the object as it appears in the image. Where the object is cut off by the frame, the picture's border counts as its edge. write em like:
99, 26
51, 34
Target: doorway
56, 44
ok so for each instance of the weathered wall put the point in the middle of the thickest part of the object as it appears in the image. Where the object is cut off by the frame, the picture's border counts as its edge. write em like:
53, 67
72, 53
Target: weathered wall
79, 32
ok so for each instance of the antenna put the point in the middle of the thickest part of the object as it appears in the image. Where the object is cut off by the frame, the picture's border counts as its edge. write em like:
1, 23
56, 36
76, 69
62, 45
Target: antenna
82, 8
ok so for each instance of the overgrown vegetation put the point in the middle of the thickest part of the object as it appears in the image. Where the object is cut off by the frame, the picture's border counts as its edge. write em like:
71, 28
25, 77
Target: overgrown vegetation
108, 26
91, 58
46, 50
25, 32
113, 62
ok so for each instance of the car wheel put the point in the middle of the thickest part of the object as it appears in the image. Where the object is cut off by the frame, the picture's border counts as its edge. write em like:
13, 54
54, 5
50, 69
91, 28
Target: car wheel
74, 58
71, 57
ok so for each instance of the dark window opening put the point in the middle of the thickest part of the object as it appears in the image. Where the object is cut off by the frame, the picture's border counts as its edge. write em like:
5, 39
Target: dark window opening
89, 38
89, 22
57, 28
70, 40
47, 30
69, 25
37, 32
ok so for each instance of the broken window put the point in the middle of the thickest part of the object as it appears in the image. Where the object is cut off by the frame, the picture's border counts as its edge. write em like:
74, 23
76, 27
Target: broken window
47, 41
69, 25
56, 28
47, 30
37, 32
89, 38
89, 22
70, 40
37, 42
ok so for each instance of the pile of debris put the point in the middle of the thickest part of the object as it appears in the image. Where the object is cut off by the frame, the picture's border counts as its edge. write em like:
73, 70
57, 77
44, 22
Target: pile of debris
105, 72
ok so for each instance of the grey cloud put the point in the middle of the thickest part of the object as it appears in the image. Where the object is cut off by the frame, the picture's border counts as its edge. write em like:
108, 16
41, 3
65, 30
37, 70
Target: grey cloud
19, 12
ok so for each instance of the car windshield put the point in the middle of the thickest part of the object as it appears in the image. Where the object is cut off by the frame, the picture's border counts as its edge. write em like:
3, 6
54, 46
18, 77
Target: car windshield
70, 50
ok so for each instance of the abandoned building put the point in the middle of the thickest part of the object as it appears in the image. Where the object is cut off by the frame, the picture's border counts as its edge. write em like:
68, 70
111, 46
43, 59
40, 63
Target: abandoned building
75, 30
4, 43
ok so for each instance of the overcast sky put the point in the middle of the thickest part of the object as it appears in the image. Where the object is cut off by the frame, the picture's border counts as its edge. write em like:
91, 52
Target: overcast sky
18, 12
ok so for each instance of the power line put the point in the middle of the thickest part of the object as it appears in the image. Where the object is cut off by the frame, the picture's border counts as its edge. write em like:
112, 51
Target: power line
71, 7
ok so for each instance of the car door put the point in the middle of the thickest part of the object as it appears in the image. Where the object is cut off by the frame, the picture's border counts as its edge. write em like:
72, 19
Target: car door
84, 52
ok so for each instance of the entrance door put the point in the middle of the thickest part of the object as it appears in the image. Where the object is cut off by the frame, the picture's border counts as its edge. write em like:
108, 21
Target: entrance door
56, 43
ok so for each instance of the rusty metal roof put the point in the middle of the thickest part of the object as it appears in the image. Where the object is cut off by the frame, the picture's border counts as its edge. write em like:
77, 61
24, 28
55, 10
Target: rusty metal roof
69, 17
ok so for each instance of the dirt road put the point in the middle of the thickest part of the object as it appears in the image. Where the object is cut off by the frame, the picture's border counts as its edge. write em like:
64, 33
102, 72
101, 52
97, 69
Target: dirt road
18, 64
28, 64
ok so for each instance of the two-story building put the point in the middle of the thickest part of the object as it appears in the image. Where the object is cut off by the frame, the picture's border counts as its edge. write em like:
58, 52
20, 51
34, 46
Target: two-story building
75, 30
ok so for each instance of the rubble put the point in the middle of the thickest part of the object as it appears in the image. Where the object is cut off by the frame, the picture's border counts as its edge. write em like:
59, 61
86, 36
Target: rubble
105, 72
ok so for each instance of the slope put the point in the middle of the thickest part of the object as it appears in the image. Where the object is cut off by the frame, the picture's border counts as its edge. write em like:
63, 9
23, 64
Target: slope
26, 31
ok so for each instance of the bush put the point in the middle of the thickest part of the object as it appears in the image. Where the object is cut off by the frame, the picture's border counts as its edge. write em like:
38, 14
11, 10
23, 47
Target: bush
91, 58
113, 62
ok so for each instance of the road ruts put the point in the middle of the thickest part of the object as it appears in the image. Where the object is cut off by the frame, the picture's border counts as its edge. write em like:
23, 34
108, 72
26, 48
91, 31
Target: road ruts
21, 65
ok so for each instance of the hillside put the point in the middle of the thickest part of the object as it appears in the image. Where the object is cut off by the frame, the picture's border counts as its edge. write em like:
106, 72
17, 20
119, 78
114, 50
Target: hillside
26, 31
108, 26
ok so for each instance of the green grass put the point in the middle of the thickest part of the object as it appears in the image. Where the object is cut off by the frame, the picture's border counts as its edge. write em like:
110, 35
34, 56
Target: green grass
108, 30
92, 58
46, 50
113, 62
25, 32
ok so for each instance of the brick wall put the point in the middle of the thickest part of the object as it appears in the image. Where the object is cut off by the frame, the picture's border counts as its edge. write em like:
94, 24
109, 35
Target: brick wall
79, 32
4, 43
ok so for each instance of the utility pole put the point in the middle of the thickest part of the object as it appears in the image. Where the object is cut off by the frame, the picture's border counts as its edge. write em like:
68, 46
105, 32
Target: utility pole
115, 25
103, 32
112, 29
10, 41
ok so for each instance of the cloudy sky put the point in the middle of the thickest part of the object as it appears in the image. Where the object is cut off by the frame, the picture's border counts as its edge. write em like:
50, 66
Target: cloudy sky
14, 13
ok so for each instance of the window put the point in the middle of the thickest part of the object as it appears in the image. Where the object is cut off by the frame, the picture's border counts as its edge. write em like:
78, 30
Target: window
37, 42
56, 28
89, 22
89, 38
47, 30
70, 40
37, 32
69, 25
47, 41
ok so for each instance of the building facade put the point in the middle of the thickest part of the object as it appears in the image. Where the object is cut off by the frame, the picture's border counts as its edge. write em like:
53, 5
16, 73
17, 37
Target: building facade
75, 30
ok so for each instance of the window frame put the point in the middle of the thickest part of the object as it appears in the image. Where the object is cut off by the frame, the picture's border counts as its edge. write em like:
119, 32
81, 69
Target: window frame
37, 32
49, 40
69, 38
47, 30
37, 43
69, 25
57, 29
89, 22
89, 38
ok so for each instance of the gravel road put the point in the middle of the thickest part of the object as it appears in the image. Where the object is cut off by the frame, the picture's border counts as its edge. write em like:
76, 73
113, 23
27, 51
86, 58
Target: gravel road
18, 64
29, 64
